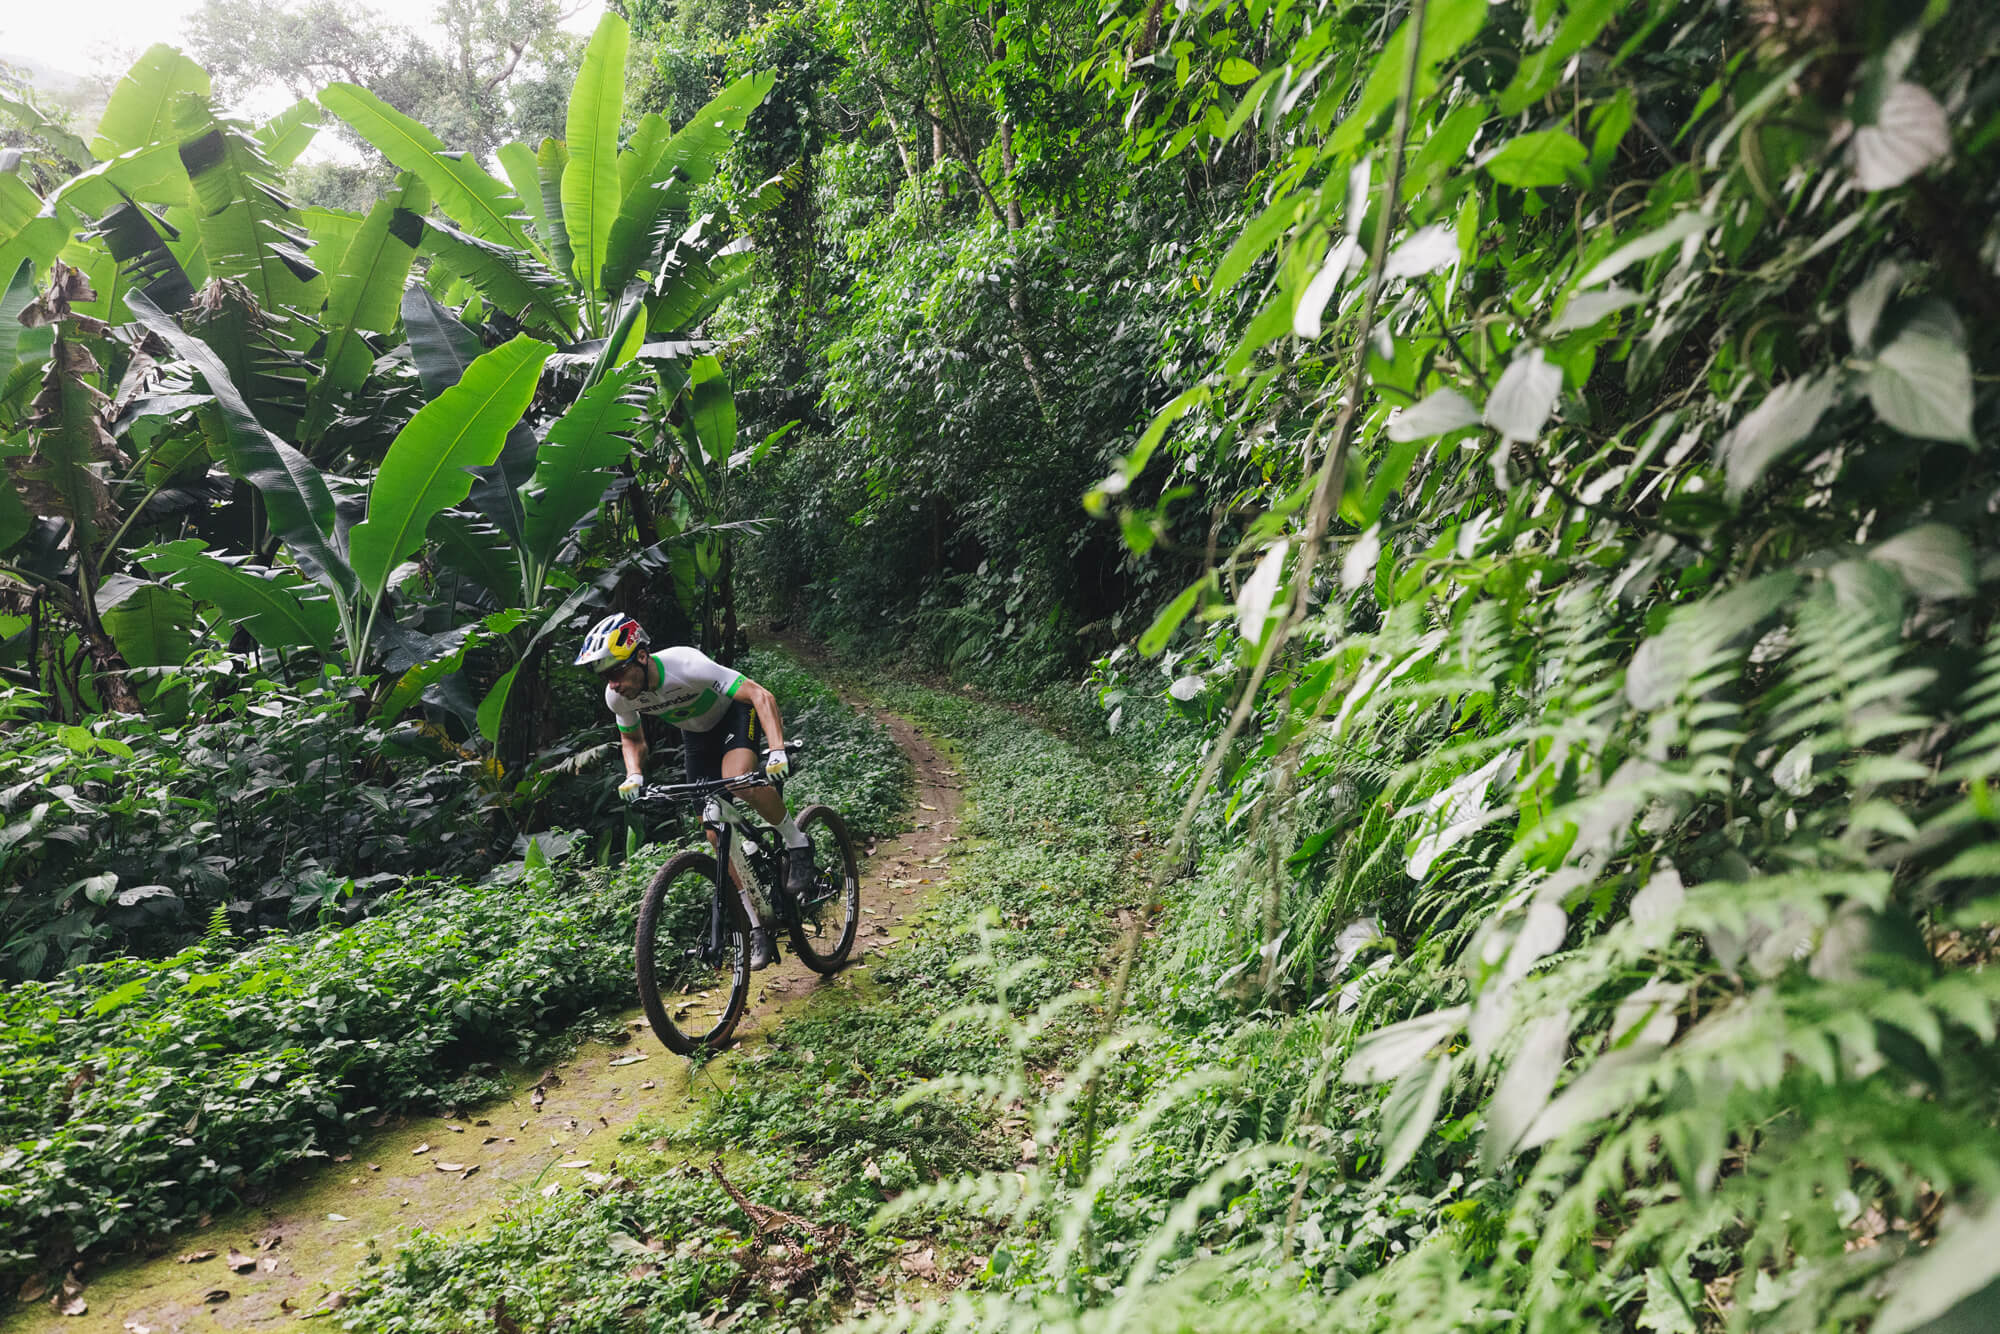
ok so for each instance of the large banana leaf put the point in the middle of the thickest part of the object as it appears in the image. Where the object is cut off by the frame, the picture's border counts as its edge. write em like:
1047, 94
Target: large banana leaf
142, 106
40, 125
279, 609
590, 189
641, 152
365, 295
475, 200
442, 348
658, 200
150, 623
20, 290
572, 469
15, 520
70, 443
551, 165
153, 174
296, 497
518, 161
425, 470
477, 549
139, 243
286, 135
250, 232
712, 408
506, 276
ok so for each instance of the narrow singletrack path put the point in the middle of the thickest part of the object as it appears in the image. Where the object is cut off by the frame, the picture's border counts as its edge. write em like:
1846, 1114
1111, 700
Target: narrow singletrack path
556, 1130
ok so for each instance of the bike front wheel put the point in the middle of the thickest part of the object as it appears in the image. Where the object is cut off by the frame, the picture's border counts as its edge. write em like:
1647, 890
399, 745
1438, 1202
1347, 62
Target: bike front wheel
693, 956
823, 927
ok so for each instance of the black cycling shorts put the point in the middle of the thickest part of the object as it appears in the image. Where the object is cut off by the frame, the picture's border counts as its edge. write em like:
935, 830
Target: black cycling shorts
704, 750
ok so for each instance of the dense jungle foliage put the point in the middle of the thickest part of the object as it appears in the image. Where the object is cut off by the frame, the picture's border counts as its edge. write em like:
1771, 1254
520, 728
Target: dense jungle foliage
1513, 477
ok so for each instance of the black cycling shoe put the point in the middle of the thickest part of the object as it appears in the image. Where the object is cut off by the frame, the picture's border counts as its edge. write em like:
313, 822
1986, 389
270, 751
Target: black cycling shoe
761, 952
799, 872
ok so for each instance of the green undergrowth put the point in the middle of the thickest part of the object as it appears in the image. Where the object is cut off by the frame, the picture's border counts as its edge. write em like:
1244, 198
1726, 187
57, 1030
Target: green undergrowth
849, 761
139, 1094
816, 1124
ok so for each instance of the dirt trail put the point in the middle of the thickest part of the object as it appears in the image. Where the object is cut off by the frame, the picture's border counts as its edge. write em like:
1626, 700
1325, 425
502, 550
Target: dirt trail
290, 1257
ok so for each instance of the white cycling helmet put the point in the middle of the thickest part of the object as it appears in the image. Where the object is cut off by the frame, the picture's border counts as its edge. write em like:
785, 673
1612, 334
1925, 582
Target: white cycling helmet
611, 644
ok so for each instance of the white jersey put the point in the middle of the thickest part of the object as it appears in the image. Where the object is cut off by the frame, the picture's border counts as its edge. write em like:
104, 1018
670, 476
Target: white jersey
693, 694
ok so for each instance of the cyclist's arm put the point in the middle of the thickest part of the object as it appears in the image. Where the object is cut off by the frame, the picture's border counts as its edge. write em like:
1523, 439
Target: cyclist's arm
766, 705
634, 746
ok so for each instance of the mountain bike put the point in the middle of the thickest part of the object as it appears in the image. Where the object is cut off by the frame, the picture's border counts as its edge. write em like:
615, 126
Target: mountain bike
693, 951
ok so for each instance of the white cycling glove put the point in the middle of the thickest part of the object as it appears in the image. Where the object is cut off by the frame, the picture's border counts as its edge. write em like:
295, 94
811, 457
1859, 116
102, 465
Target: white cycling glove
629, 789
776, 764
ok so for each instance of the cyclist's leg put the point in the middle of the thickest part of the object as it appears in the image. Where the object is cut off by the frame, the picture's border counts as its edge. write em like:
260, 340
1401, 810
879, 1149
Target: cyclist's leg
739, 757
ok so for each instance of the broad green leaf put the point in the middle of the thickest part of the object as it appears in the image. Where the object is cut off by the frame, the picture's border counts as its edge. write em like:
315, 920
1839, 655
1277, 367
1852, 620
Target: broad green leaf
712, 407
1448, 26
296, 497
1236, 71
1387, 1053
19, 292
1423, 251
1587, 308
278, 609
1340, 257
1541, 69
642, 152
1441, 412
410, 686
551, 163
440, 346
475, 200
142, 106
590, 190
289, 133
150, 623
1921, 383
1909, 132
249, 230
1524, 1089
518, 161
571, 469
1786, 417
476, 548
40, 125
1934, 560
1255, 239
507, 276
494, 706
1867, 302
1521, 403
1409, 1111
1958, 1267
426, 468
1663, 237
656, 203
1539, 158
364, 295
71, 443
1253, 600
1169, 620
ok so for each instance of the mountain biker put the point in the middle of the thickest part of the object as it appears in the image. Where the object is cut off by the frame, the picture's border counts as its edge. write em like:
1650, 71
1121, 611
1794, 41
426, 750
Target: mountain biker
718, 711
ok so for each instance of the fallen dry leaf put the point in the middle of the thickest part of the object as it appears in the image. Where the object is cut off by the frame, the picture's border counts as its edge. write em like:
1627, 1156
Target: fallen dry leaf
456, 1130
632, 1059
269, 1264
196, 1257
269, 1243
642, 1271
449, 1167
240, 1262
343, 1157
553, 1189
923, 1263
134, 1327
336, 1218
421, 1148
575, 1162
649, 1084
537, 1098
490, 1139
1028, 1150
34, 1289
215, 1296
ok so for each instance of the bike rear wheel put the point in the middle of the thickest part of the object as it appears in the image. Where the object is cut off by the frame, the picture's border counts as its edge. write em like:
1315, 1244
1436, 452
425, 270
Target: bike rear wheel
694, 971
823, 926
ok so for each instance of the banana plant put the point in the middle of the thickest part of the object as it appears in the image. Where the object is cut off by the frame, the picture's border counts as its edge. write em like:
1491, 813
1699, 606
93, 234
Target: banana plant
424, 473
559, 244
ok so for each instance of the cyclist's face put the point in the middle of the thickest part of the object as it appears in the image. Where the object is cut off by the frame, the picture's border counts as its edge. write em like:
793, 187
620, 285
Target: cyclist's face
628, 680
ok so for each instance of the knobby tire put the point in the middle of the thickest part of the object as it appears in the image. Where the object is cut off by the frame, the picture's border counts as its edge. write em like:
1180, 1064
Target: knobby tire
824, 945
659, 955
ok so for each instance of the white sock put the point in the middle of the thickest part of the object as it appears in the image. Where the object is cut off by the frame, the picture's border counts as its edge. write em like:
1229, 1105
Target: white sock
790, 830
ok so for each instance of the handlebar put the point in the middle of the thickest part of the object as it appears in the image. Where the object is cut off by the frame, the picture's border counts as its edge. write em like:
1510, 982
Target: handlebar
695, 793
